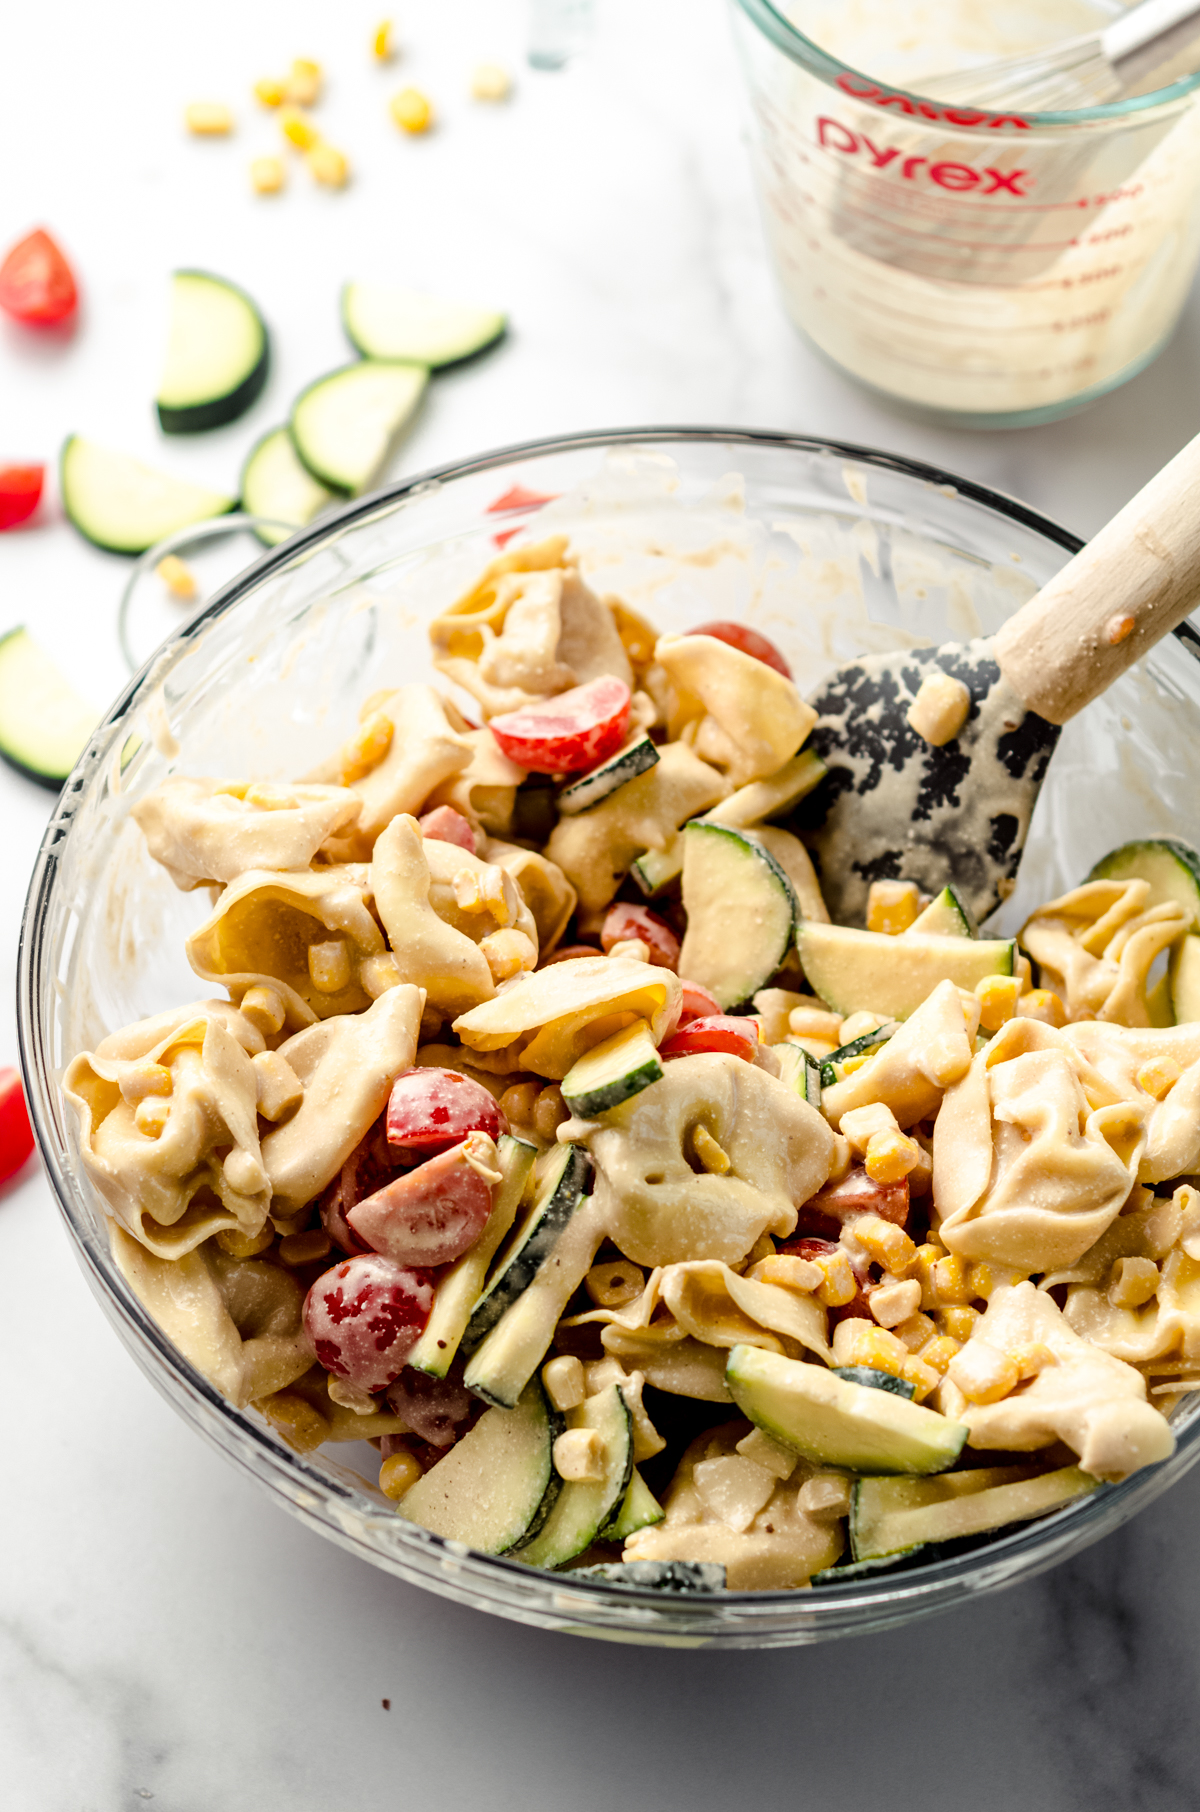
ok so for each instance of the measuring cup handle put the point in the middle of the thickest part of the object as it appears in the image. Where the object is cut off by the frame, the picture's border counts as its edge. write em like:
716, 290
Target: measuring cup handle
1130, 586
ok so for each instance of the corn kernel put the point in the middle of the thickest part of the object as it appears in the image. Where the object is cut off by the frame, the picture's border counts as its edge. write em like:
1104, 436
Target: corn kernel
891, 1156
857, 1025
920, 1177
579, 1456
849, 1064
329, 966
950, 1279
1032, 1359
379, 973
1158, 1077
411, 110
1132, 1282
177, 576
981, 1281
958, 1321
1041, 1003
302, 1427
267, 175
269, 92
938, 1352
916, 1332
860, 1125
927, 1258
208, 119
303, 83
490, 83
279, 1089
245, 1245
815, 1022
982, 1373
243, 1172
518, 1102
549, 1112
367, 747
382, 46
564, 1381
788, 1272
839, 1163
839, 1284
997, 996
710, 1152
894, 1303
150, 1116
940, 709
635, 948
825, 1497
267, 798
612, 1285
142, 1079
398, 1474
892, 906
857, 1342
508, 953
923, 1378
297, 130
888, 1244
328, 165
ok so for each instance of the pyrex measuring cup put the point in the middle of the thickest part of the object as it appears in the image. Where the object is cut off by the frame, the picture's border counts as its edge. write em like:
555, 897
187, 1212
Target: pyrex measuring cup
992, 268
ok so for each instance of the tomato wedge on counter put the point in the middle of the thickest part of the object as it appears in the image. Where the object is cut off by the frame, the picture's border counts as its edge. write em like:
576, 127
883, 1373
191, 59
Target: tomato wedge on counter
16, 1134
569, 733
20, 493
747, 641
37, 285
719, 1032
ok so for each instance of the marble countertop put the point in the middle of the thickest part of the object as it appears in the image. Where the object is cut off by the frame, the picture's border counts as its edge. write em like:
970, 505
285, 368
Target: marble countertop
166, 1634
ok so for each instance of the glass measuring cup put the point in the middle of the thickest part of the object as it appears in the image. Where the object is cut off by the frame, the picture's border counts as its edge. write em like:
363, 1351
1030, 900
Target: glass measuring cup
991, 268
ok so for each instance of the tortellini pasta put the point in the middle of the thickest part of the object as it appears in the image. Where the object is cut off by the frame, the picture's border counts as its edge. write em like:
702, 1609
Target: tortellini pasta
550, 1019
736, 712
216, 830
1096, 945
926, 1055
437, 956
412, 740
543, 886
485, 791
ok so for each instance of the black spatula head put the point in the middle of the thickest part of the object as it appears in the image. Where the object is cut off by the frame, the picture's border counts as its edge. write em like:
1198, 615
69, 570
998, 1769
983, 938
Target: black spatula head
895, 808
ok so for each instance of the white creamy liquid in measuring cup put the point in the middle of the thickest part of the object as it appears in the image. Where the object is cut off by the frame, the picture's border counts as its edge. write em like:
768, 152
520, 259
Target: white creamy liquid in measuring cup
969, 262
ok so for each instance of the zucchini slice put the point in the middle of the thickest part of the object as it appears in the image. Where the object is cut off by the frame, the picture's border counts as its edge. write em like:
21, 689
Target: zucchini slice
612, 1072
581, 1511
892, 1516
658, 1575
44, 724
1171, 867
275, 484
800, 1071
384, 322
947, 915
637, 757
218, 352
639, 1509
855, 970
741, 911
507, 1358
496, 1487
874, 1379
459, 1287
345, 424
822, 1417
126, 507
831, 1066
1185, 980
853, 1570
655, 869
559, 1192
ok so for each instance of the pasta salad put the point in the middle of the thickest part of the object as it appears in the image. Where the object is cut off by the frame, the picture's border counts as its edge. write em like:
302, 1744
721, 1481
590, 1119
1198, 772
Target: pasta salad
543, 1131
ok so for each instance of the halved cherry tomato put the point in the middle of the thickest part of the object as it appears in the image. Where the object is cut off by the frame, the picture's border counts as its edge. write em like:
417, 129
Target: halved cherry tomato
16, 1134
747, 641
568, 954
431, 1109
37, 285
719, 1032
370, 1165
697, 1003
857, 1193
364, 1316
20, 493
569, 733
445, 825
430, 1215
622, 923
518, 498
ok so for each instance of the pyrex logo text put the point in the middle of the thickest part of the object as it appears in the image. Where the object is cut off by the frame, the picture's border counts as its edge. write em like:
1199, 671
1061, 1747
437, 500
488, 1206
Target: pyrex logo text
958, 177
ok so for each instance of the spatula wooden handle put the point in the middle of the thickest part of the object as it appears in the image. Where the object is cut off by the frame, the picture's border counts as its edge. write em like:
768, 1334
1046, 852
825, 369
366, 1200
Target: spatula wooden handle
1130, 586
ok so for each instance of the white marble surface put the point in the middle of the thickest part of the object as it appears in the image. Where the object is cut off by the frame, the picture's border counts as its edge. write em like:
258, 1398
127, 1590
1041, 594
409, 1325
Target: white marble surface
165, 1633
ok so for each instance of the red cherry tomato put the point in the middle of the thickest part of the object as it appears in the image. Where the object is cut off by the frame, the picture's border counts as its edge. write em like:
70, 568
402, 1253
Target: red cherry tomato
37, 285
624, 922
16, 1134
20, 493
697, 1003
718, 1032
808, 1247
445, 825
435, 1409
370, 1165
747, 641
568, 953
857, 1193
428, 1216
430, 1110
569, 733
518, 498
364, 1317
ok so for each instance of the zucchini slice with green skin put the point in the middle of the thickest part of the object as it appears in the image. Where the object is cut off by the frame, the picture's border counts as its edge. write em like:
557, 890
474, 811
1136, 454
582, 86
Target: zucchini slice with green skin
741, 911
497, 1486
459, 1288
1185, 980
637, 757
749, 806
581, 1510
386, 322
559, 1193
858, 1047
658, 1575
218, 353
505, 1360
855, 970
853, 1570
800, 1071
825, 1419
874, 1379
655, 869
640, 1509
612, 1072
345, 424
276, 485
947, 915
44, 724
892, 1516
125, 507
1171, 867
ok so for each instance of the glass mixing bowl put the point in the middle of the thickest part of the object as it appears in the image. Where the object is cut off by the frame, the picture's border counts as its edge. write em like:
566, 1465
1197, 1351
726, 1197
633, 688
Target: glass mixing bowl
832, 550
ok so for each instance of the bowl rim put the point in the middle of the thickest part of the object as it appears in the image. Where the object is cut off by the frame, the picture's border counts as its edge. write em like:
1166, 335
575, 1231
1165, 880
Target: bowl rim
904, 1593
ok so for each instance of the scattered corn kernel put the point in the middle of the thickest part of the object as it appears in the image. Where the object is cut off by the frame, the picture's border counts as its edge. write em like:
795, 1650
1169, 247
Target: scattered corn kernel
891, 1156
710, 1153
398, 1474
825, 1497
243, 1173
858, 1342
815, 1022
490, 83
927, 1258
949, 1401
411, 110
981, 1281
839, 1163
849, 1064
302, 1427
923, 1378
177, 576
1132, 1282
549, 1112
267, 175
889, 1245
940, 709
367, 747
839, 1284
771, 1455
958, 1321
508, 953
938, 1352
297, 130
788, 1272
950, 1280
861, 1124
997, 995
305, 1248
920, 1177
328, 165
269, 92
563, 1379
208, 119
329, 966
382, 46
892, 906
916, 1332
280, 1090
245, 1245
1158, 1077
579, 1456
1041, 1003
982, 1373
611, 1286
150, 1116
1032, 1359
142, 1079
892, 1304
303, 83
381, 972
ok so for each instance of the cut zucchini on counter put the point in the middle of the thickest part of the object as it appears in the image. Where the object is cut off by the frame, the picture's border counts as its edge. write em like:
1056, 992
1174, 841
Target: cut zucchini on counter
581, 1511
1185, 980
1171, 867
218, 352
853, 971
126, 507
44, 724
561, 1187
946, 915
497, 1486
893, 1516
833, 1423
612, 1072
276, 485
637, 757
800, 1071
385, 322
741, 911
345, 424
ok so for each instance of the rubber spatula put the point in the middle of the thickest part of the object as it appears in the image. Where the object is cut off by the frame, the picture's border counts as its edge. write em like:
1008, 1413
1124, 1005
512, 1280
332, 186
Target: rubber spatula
900, 808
